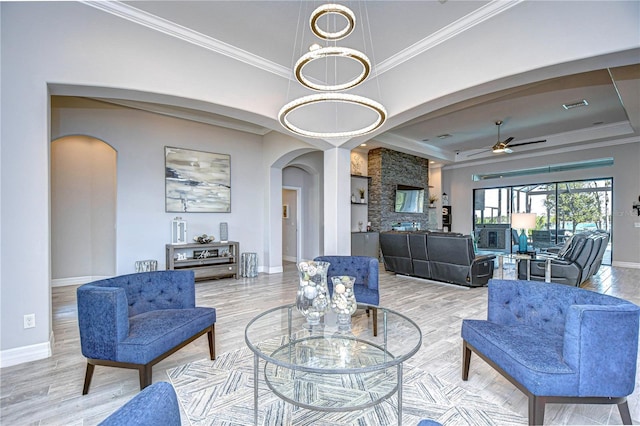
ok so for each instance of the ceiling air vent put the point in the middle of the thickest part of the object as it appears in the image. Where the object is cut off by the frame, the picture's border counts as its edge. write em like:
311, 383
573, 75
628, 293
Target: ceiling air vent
575, 104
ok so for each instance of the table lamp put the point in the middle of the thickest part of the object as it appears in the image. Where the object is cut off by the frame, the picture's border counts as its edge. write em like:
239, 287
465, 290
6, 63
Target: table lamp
523, 221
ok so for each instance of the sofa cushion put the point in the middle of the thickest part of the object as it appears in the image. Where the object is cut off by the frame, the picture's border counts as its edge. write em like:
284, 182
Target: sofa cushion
155, 332
530, 355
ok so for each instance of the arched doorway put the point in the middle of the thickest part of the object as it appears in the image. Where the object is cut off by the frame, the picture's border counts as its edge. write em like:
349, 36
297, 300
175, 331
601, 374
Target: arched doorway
83, 210
302, 181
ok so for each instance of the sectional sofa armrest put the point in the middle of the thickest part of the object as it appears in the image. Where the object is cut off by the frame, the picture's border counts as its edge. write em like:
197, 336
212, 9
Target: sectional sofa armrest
483, 258
103, 319
557, 261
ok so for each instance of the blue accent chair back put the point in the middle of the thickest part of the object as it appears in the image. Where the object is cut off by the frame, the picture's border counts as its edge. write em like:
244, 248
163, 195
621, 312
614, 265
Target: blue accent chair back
557, 344
155, 405
137, 320
365, 270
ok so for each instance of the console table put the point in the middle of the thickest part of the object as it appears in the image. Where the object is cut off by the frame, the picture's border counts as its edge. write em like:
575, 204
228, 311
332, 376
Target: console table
213, 260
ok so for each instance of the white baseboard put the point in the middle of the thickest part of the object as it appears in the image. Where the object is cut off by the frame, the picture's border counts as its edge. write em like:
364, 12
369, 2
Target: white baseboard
61, 282
24, 354
633, 265
275, 270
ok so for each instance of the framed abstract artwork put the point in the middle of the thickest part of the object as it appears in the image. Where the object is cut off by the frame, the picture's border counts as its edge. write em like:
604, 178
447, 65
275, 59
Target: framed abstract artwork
197, 181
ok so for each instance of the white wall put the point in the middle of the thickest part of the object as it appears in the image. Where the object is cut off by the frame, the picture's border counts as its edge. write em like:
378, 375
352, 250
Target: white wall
69, 47
83, 209
143, 226
626, 183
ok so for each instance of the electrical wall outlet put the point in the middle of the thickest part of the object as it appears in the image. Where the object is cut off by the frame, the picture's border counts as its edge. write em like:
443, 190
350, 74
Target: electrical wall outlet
30, 321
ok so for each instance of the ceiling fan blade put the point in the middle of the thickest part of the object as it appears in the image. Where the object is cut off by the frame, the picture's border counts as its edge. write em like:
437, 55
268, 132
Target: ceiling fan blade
479, 152
527, 143
506, 141
508, 150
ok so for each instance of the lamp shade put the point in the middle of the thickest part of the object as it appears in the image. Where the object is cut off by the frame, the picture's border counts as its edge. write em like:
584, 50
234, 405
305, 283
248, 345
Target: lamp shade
523, 220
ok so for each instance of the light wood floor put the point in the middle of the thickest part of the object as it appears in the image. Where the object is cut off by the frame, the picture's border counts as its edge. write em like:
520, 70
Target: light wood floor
48, 392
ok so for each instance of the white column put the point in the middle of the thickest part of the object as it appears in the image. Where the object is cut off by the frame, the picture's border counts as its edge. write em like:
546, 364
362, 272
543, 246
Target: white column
337, 205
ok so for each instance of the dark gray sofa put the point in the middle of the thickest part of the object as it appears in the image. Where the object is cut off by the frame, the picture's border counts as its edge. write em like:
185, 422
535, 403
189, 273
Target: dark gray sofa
574, 263
439, 256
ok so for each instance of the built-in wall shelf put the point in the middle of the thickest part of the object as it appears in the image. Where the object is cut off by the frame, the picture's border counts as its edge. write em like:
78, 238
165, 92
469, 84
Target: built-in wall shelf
359, 215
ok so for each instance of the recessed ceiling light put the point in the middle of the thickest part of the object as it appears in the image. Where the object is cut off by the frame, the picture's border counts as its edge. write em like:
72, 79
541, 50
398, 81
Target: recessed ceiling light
575, 104
363, 144
444, 136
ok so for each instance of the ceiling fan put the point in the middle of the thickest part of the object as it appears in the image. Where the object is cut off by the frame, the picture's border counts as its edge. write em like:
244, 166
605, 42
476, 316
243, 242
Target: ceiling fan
504, 146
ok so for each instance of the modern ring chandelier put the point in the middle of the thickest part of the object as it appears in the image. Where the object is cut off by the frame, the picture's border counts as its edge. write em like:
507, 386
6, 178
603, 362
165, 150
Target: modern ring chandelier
329, 91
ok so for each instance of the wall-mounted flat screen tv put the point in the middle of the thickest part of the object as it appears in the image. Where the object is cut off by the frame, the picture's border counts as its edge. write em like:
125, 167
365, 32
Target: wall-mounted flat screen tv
409, 199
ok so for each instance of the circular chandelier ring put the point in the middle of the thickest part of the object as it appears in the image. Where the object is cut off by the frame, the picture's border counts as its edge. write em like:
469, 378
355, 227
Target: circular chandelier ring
326, 52
336, 9
333, 97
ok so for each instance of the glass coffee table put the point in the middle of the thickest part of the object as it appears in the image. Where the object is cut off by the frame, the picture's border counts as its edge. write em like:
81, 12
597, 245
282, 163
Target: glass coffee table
325, 368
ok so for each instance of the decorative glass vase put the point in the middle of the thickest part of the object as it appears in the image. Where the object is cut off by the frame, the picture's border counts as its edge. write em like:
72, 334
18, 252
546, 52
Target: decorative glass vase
343, 300
312, 299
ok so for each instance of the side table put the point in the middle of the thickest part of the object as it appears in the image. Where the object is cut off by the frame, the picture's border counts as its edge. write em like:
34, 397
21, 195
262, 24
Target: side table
519, 258
249, 265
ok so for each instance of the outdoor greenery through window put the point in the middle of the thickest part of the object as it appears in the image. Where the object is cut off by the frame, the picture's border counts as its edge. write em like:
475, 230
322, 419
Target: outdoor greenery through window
561, 208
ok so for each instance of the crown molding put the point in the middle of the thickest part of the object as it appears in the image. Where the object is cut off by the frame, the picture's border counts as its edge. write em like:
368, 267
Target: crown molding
188, 35
172, 29
474, 18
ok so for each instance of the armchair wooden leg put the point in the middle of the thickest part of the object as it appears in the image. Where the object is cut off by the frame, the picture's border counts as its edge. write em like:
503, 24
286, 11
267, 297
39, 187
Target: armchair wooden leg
375, 321
89, 374
536, 410
466, 360
145, 373
211, 334
623, 407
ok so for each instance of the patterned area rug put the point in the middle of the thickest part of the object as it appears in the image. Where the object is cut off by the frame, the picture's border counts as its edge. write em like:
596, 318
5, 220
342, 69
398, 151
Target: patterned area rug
220, 392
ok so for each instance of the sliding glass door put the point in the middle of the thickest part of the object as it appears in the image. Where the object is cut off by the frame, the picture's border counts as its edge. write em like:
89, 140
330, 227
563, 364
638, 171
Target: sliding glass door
562, 209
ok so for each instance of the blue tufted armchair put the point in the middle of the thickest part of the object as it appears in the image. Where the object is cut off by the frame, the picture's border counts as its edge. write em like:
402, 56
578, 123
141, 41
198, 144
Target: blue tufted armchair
156, 405
137, 320
365, 269
557, 344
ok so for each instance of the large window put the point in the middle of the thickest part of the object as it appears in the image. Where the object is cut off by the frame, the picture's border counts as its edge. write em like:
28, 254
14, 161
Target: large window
562, 209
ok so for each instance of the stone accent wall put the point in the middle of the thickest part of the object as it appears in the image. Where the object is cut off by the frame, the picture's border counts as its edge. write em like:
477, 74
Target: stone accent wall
388, 168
